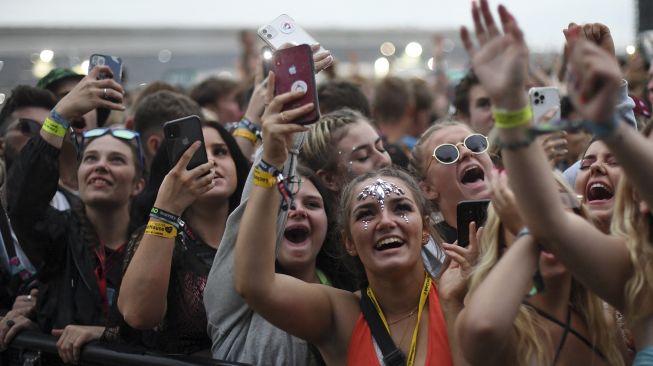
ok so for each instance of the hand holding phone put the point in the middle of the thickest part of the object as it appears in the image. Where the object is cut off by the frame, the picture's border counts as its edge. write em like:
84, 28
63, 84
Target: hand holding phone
544, 101
113, 62
468, 211
294, 71
179, 135
283, 29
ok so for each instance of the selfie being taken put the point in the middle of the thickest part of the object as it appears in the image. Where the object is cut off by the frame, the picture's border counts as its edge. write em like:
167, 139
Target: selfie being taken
350, 184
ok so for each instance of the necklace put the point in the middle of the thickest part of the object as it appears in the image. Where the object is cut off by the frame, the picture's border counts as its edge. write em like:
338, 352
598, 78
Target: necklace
404, 317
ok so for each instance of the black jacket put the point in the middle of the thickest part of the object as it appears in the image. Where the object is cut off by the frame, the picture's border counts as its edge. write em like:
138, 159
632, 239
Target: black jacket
53, 240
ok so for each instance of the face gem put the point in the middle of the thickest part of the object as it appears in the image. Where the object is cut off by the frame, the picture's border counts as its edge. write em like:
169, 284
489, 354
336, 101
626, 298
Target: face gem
403, 216
378, 190
366, 225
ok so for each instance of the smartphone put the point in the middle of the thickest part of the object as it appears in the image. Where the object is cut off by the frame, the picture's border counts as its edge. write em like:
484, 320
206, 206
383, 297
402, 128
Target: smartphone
283, 30
543, 100
294, 70
468, 211
115, 63
179, 135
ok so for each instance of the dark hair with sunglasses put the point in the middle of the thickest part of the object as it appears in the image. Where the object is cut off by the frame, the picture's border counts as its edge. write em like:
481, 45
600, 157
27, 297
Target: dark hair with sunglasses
161, 165
129, 137
24, 96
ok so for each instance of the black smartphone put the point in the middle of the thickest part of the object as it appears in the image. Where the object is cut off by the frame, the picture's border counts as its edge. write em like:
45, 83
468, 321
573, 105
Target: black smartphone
468, 211
179, 135
115, 63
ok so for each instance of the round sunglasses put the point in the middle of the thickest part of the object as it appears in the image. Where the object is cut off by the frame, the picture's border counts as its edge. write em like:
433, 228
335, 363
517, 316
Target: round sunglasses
450, 153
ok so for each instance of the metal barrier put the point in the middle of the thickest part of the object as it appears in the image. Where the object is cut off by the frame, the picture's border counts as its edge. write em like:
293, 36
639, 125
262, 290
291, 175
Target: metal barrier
31, 347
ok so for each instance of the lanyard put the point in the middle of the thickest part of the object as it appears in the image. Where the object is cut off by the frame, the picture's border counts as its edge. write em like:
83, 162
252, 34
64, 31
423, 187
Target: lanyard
422, 301
101, 273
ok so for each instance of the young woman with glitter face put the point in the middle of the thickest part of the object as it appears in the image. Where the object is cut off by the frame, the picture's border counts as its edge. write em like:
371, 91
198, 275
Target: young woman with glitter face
384, 223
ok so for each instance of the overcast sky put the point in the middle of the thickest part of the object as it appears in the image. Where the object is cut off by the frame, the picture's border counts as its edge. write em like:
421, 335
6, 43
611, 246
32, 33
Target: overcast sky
541, 20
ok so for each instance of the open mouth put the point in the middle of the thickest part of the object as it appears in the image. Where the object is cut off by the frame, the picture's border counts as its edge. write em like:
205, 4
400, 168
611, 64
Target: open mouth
388, 243
473, 174
99, 181
296, 235
599, 192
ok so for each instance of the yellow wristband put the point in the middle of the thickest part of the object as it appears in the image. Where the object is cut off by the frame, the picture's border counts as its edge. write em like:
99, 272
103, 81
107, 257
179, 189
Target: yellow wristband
245, 133
512, 119
53, 128
263, 178
162, 229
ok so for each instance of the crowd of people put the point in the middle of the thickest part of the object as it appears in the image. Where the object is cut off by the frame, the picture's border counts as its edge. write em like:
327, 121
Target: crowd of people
336, 243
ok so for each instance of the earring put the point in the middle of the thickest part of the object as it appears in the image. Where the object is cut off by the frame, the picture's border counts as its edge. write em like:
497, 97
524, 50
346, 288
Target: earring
425, 238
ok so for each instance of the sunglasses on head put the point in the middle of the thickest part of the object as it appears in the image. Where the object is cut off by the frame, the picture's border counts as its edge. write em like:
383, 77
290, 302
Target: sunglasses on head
119, 133
450, 153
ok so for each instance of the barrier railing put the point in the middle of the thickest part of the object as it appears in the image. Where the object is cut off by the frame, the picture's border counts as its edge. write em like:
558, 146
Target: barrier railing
31, 346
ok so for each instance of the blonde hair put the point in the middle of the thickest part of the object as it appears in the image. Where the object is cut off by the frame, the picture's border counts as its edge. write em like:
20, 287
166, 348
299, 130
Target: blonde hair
419, 157
635, 229
528, 327
317, 153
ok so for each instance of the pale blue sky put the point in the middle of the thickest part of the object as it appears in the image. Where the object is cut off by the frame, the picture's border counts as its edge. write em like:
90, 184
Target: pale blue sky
541, 20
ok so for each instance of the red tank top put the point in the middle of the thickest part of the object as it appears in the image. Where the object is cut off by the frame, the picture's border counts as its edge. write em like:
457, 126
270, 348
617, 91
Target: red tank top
361, 347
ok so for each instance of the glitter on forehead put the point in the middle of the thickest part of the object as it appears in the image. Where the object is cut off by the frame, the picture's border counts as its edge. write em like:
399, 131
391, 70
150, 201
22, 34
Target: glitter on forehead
378, 190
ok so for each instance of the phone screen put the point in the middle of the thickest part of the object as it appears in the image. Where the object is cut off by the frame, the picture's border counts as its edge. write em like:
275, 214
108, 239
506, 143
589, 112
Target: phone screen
468, 211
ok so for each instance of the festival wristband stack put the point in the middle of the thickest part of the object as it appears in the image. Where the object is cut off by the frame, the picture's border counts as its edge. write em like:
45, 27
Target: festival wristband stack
55, 124
267, 175
161, 229
248, 130
512, 119
167, 217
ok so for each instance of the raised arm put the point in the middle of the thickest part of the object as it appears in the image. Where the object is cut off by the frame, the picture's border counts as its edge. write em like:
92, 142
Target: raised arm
144, 289
302, 309
484, 327
501, 65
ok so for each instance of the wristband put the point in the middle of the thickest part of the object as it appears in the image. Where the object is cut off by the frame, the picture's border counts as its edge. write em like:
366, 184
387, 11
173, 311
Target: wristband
53, 128
245, 133
512, 119
607, 128
165, 216
59, 119
264, 179
161, 229
523, 232
515, 145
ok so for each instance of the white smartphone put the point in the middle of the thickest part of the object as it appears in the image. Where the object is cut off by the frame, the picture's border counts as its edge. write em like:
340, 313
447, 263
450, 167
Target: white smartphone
543, 100
283, 30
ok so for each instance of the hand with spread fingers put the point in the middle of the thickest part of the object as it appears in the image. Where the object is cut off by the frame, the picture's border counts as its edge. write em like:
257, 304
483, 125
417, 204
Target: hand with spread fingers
277, 124
12, 324
501, 61
181, 187
90, 94
72, 338
596, 33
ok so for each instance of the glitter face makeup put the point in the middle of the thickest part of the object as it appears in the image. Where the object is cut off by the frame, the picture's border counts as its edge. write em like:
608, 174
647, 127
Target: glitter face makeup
366, 225
403, 216
378, 190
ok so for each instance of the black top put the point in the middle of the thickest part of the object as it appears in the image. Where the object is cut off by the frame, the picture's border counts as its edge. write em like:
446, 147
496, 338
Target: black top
183, 330
62, 245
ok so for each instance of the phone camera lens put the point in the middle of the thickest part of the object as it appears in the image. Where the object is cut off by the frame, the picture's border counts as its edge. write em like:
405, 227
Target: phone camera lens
269, 35
265, 31
536, 94
537, 101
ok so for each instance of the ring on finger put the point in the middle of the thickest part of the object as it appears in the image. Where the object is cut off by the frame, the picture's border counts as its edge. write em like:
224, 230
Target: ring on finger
283, 117
105, 93
10, 323
29, 298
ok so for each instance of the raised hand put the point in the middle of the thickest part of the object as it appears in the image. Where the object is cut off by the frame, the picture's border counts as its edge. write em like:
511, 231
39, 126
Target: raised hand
90, 94
505, 203
594, 79
596, 33
181, 187
277, 126
501, 62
